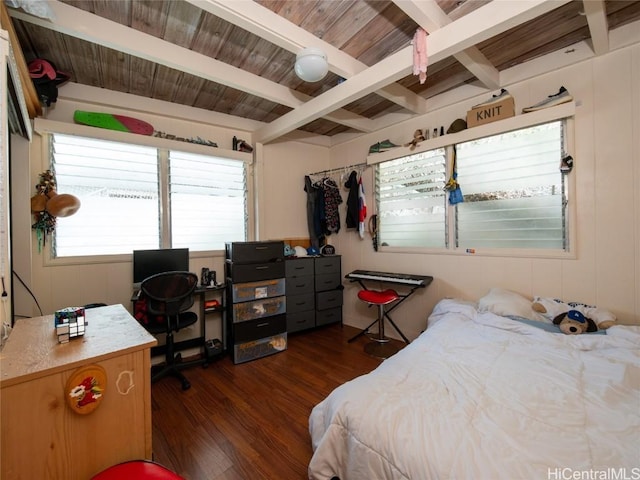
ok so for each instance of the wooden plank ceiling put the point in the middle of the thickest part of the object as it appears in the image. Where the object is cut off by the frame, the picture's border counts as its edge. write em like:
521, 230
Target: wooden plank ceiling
236, 56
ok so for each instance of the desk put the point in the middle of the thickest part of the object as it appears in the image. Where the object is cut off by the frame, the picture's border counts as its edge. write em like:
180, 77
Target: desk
41, 436
201, 293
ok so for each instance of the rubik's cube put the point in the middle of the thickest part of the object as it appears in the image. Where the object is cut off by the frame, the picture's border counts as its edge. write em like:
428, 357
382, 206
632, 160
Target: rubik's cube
70, 323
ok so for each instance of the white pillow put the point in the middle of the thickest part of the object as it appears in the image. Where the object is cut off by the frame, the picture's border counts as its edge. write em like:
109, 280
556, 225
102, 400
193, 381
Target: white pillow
505, 303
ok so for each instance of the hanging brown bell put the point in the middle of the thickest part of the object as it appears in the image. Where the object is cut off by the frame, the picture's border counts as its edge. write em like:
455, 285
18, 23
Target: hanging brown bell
63, 205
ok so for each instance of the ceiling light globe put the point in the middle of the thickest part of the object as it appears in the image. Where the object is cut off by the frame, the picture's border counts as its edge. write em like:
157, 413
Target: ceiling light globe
311, 64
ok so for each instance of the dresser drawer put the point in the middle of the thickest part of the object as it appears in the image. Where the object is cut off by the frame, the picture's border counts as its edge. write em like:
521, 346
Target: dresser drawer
300, 303
246, 351
327, 300
260, 328
328, 281
254, 252
264, 307
326, 317
239, 273
300, 321
299, 267
299, 285
243, 292
329, 264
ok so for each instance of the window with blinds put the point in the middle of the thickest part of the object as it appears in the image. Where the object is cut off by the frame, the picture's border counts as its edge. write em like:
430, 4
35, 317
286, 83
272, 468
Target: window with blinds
515, 196
208, 201
411, 200
514, 192
119, 187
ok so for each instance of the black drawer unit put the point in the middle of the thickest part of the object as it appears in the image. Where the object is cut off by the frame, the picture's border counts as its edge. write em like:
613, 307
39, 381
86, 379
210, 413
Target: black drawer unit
328, 286
300, 289
314, 292
256, 310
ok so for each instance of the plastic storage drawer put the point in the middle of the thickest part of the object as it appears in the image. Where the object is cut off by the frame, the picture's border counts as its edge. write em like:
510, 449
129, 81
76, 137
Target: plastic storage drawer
299, 285
253, 272
329, 264
328, 281
254, 349
244, 292
254, 252
260, 328
264, 307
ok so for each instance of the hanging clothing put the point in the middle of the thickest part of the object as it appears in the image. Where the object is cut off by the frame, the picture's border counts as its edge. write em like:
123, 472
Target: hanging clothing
362, 208
353, 205
332, 199
312, 197
420, 59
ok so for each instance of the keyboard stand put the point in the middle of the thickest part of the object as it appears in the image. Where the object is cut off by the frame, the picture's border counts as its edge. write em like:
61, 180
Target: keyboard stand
386, 313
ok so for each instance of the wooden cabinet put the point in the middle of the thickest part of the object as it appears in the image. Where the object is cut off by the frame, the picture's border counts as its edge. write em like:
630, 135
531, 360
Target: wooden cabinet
42, 437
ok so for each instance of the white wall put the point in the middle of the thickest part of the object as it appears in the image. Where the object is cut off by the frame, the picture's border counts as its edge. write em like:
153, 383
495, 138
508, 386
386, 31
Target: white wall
606, 271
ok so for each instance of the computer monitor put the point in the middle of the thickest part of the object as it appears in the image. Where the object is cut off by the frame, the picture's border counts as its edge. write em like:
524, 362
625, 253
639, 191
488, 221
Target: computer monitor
150, 262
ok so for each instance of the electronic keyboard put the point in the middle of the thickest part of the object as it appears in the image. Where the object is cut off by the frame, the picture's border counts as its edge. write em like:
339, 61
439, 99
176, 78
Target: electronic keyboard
400, 278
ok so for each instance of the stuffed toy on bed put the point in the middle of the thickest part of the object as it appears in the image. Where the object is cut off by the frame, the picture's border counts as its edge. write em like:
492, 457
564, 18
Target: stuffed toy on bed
574, 323
551, 308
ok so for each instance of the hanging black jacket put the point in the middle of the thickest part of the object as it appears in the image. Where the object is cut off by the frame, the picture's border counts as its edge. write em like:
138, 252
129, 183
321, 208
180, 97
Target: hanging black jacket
352, 200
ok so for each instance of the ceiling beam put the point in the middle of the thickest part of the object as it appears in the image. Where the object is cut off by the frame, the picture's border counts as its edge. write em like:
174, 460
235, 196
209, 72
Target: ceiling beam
429, 15
84, 25
596, 12
481, 24
266, 24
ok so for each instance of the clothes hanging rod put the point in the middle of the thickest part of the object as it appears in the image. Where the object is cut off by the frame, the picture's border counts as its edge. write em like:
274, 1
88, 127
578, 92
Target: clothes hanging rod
340, 169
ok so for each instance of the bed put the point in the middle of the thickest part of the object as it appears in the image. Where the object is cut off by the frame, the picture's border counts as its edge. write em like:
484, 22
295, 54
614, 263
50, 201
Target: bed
485, 396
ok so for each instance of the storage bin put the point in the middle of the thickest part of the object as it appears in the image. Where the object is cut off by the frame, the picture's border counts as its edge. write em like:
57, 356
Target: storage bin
243, 292
259, 328
332, 315
244, 352
253, 272
265, 307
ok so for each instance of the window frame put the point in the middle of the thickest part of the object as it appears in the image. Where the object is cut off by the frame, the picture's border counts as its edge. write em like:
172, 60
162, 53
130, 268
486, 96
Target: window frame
46, 127
565, 112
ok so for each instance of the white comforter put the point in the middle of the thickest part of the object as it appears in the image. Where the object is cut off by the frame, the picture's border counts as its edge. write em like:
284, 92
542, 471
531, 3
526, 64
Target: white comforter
479, 396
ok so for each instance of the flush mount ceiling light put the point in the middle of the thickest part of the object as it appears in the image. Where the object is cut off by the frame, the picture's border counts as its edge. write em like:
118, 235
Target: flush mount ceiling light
311, 64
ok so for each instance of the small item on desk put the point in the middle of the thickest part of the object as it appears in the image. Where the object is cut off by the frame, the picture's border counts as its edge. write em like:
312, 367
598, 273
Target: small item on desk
70, 323
204, 277
212, 278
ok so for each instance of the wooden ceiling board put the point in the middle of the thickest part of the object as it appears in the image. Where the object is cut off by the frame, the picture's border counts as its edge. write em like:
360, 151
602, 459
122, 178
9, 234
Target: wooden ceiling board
321, 20
370, 44
116, 77
621, 13
119, 11
182, 23
165, 83
149, 16
141, 76
355, 19
190, 87
294, 10
212, 36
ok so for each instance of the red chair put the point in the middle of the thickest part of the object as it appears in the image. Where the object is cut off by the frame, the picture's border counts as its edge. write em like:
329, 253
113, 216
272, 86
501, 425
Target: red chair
380, 346
137, 470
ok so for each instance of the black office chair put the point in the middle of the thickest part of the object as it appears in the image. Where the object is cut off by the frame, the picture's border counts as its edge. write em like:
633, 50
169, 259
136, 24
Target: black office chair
169, 295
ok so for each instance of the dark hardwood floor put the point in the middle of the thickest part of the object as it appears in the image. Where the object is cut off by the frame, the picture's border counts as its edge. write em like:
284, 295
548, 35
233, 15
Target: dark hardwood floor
250, 421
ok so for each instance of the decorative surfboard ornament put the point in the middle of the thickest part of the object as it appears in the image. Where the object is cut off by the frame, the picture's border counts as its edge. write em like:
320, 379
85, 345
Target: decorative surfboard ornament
110, 121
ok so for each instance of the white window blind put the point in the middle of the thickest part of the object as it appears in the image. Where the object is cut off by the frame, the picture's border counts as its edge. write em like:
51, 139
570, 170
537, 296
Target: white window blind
117, 185
514, 192
123, 207
208, 206
411, 200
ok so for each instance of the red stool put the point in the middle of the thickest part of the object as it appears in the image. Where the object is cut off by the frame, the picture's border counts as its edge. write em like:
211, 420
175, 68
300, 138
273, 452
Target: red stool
137, 470
380, 346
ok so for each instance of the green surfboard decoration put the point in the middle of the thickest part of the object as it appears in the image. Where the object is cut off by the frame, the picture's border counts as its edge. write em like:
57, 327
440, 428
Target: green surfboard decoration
111, 121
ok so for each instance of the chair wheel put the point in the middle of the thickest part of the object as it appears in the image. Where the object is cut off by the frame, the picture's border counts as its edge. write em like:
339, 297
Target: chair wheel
186, 385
